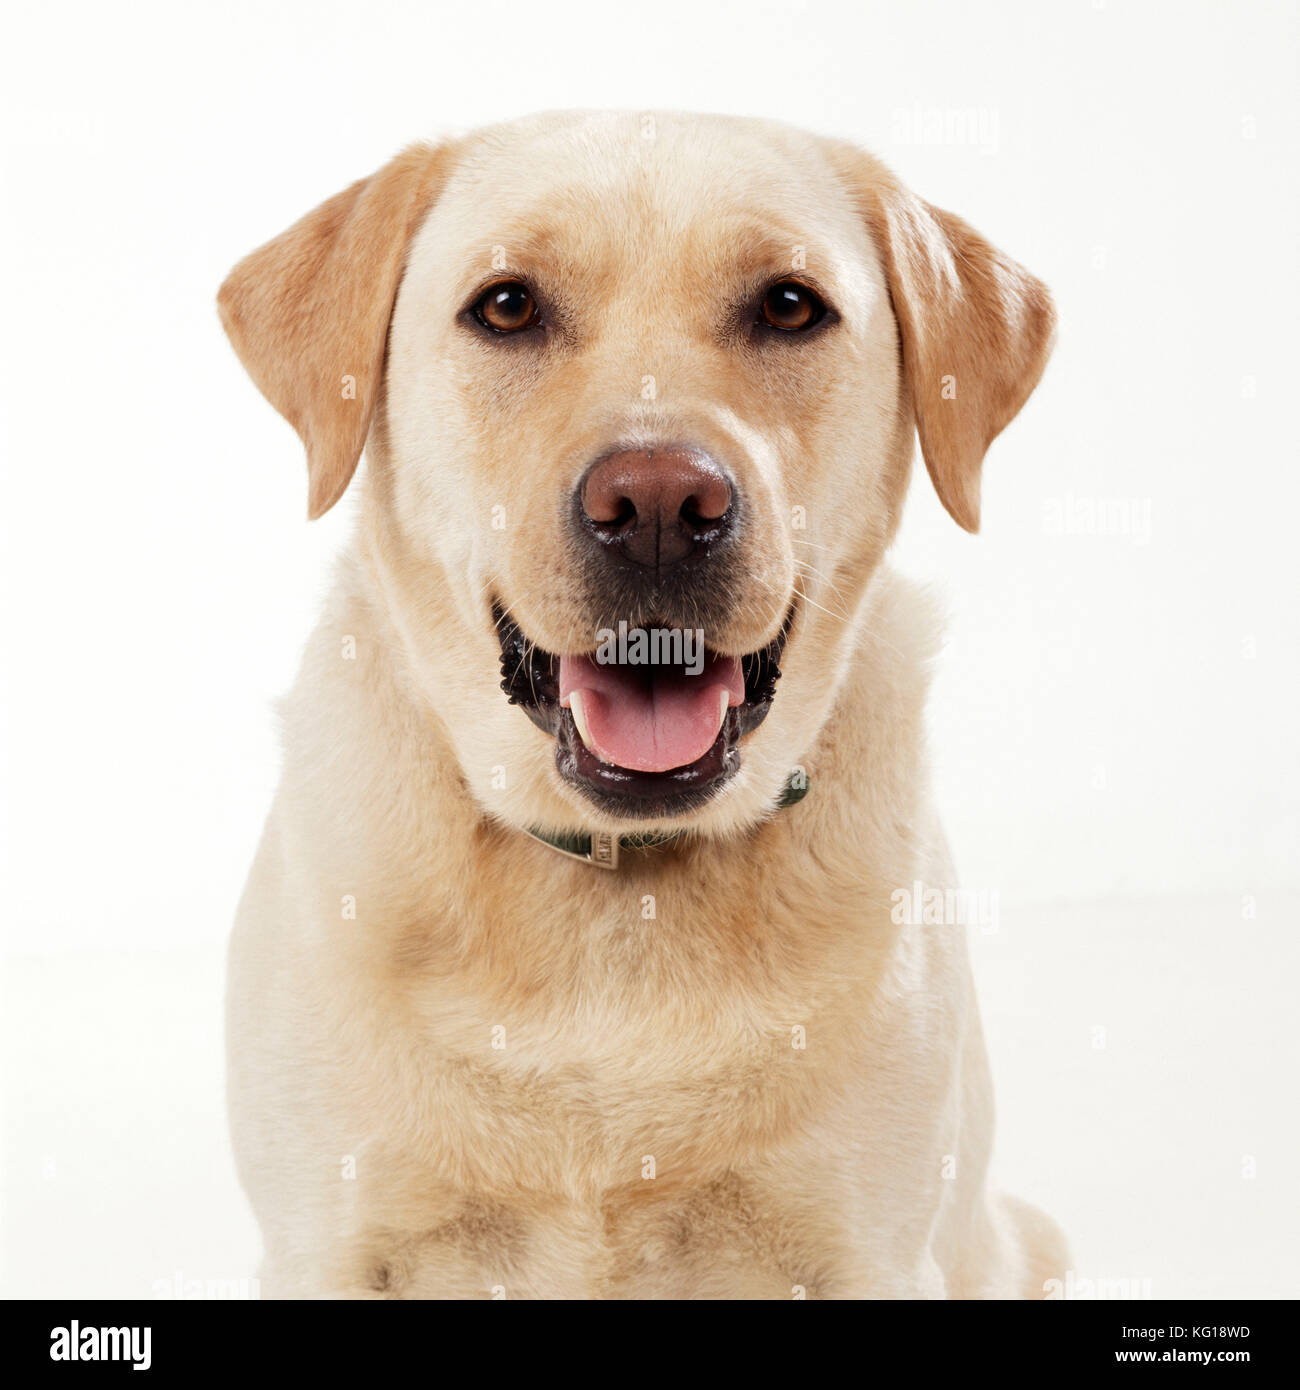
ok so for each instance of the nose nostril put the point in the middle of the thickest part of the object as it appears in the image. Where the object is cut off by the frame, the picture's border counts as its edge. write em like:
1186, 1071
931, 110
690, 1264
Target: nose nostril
613, 516
697, 517
605, 505
708, 504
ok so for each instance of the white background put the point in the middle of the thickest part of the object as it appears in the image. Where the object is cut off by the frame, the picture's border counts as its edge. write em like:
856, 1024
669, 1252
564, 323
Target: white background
1114, 725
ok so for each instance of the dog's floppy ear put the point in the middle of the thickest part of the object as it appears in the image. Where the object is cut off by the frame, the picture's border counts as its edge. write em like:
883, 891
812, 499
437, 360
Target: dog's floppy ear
308, 312
976, 333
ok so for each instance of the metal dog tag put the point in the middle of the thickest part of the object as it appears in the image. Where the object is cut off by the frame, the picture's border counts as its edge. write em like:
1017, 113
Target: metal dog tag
604, 849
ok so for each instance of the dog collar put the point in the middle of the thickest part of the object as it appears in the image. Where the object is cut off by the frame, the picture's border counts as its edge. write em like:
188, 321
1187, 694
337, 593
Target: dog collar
602, 847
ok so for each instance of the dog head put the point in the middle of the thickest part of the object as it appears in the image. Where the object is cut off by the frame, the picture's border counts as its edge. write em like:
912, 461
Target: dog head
638, 396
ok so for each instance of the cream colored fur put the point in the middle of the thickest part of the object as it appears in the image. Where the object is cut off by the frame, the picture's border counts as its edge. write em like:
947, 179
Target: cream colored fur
461, 1065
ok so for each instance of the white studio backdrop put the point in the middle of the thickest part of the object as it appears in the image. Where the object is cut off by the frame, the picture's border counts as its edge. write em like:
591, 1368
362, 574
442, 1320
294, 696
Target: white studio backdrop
1113, 722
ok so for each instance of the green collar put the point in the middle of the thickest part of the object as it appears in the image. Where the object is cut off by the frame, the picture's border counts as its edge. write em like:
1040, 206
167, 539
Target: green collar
602, 847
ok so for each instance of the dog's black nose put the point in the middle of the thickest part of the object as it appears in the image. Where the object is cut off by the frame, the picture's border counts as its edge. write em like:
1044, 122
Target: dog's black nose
657, 507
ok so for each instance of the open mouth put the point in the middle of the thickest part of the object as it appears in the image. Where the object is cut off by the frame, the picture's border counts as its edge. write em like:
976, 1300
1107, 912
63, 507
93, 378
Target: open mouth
642, 736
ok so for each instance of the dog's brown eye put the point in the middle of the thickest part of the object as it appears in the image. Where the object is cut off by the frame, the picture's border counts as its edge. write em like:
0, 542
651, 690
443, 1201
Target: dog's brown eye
507, 307
790, 307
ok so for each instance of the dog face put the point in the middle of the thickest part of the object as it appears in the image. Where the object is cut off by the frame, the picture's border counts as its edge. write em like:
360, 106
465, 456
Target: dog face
639, 396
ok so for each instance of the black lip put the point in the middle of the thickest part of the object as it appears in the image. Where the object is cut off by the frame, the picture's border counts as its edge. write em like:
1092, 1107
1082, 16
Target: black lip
530, 679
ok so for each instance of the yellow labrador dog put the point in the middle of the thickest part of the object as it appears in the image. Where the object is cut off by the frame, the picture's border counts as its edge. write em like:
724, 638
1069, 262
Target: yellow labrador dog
571, 964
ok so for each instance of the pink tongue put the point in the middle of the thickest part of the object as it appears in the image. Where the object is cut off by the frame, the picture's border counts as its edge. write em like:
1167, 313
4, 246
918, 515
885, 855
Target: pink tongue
651, 719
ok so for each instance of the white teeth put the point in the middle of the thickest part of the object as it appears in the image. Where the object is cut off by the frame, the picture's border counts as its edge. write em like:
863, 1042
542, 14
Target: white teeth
726, 700
579, 717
